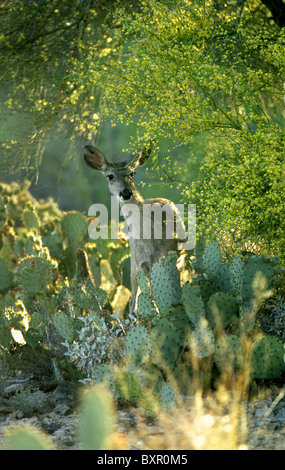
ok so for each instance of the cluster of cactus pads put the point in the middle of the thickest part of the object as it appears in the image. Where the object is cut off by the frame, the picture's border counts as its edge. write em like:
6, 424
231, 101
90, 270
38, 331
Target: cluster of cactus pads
48, 264
212, 315
52, 280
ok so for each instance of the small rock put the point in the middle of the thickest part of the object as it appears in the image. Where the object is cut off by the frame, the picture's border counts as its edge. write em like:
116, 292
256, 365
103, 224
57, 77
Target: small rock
12, 389
50, 425
18, 414
62, 409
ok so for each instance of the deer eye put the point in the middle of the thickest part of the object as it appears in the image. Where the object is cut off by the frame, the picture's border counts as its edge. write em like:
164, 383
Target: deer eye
110, 177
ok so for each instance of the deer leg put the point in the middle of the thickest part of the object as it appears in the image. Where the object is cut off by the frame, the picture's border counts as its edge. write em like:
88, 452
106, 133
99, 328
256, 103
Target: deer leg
132, 302
134, 284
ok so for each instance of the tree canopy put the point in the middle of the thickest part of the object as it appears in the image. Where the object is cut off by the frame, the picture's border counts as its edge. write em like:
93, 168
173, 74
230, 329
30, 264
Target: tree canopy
199, 73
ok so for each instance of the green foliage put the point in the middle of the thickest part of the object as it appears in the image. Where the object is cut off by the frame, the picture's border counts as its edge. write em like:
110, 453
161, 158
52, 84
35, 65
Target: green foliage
211, 77
183, 71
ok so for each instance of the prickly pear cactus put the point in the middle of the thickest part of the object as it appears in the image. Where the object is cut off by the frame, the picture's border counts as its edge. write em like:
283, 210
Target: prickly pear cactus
258, 274
182, 323
106, 374
164, 344
161, 288
138, 345
27, 438
63, 325
3, 215
145, 304
237, 275
34, 274
212, 259
52, 239
165, 285
74, 225
171, 268
96, 419
267, 358
222, 310
127, 384
167, 397
223, 280
5, 277
143, 283
229, 353
5, 331
193, 304
69, 263
100, 295
202, 340
31, 220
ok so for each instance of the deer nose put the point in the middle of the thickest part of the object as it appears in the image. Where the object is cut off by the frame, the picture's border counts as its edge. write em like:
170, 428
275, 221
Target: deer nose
126, 194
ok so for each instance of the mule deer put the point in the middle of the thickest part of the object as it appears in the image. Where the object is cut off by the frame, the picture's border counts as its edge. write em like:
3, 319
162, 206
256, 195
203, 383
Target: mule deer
145, 249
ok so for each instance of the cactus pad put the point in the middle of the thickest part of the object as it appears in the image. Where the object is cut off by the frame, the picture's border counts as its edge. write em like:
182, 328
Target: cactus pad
165, 344
138, 344
64, 327
212, 260
167, 396
229, 353
5, 277
161, 288
267, 358
31, 220
258, 274
34, 274
237, 275
145, 304
143, 283
222, 310
193, 304
202, 341
74, 225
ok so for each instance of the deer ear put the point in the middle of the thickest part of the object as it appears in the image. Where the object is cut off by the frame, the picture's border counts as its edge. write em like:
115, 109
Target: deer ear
144, 154
94, 158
